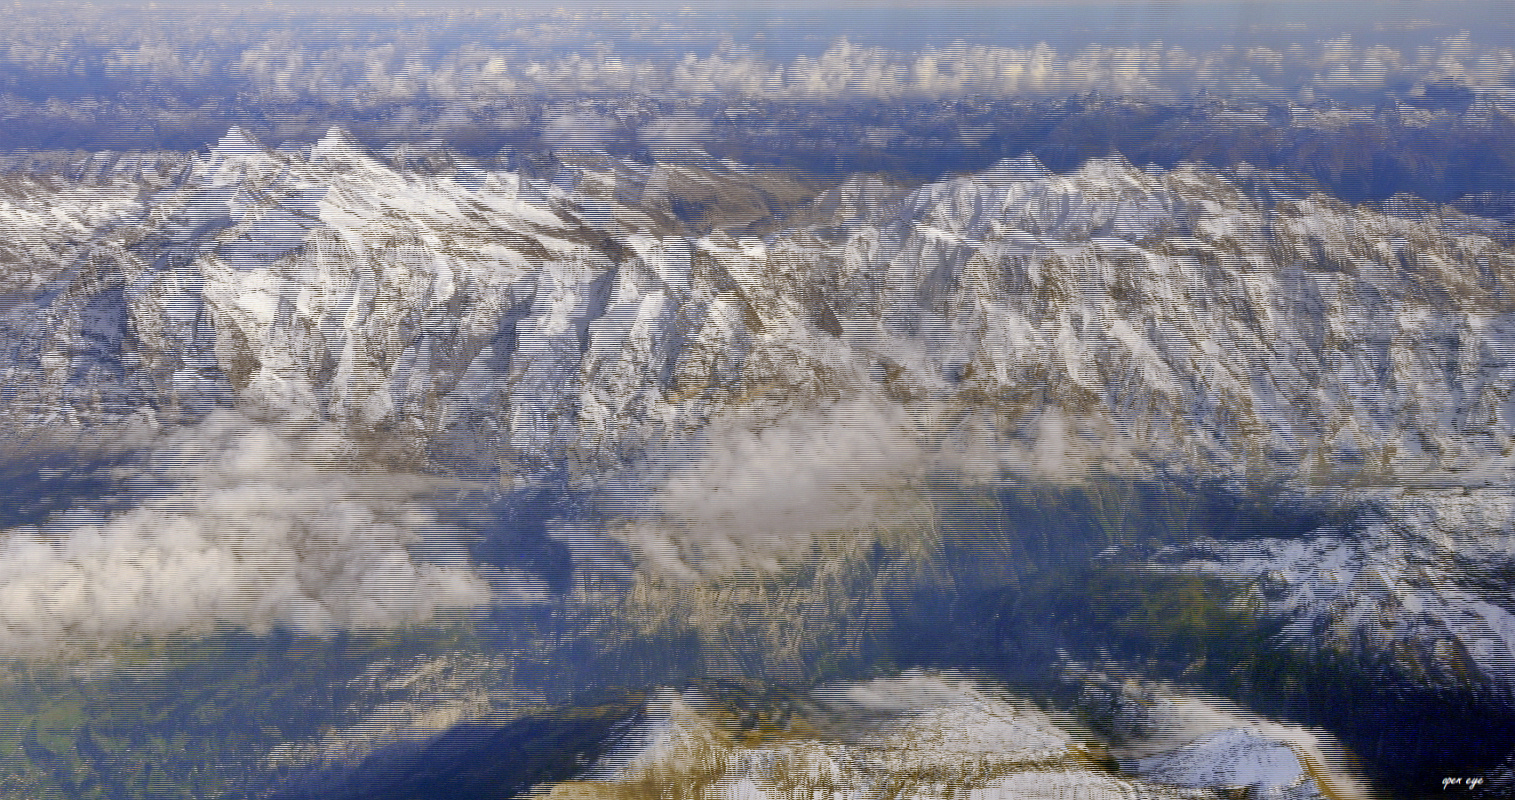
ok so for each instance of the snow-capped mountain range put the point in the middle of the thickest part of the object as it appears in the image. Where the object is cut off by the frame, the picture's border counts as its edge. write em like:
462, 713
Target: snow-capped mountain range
1110, 320
1212, 329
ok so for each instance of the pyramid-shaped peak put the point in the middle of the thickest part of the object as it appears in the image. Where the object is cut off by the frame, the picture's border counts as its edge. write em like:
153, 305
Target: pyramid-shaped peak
338, 143
338, 135
239, 141
1024, 167
232, 155
1114, 167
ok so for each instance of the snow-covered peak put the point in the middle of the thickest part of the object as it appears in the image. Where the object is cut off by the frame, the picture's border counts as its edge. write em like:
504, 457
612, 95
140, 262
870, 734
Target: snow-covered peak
340, 149
1024, 167
1113, 172
236, 156
238, 143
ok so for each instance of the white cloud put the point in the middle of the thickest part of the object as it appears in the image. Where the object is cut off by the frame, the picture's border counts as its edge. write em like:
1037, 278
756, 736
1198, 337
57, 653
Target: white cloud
675, 134
577, 131
243, 524
763, 494
492, 56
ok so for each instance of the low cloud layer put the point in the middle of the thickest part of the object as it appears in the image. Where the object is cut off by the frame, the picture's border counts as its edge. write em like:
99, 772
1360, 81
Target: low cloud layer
762, 493
766, 494
807, 85
242, 525
285, 67
675, 135
388, 56
577, 131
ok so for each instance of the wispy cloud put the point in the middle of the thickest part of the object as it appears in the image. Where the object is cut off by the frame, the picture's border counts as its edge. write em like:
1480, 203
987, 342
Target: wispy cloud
765, 493
241, 524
